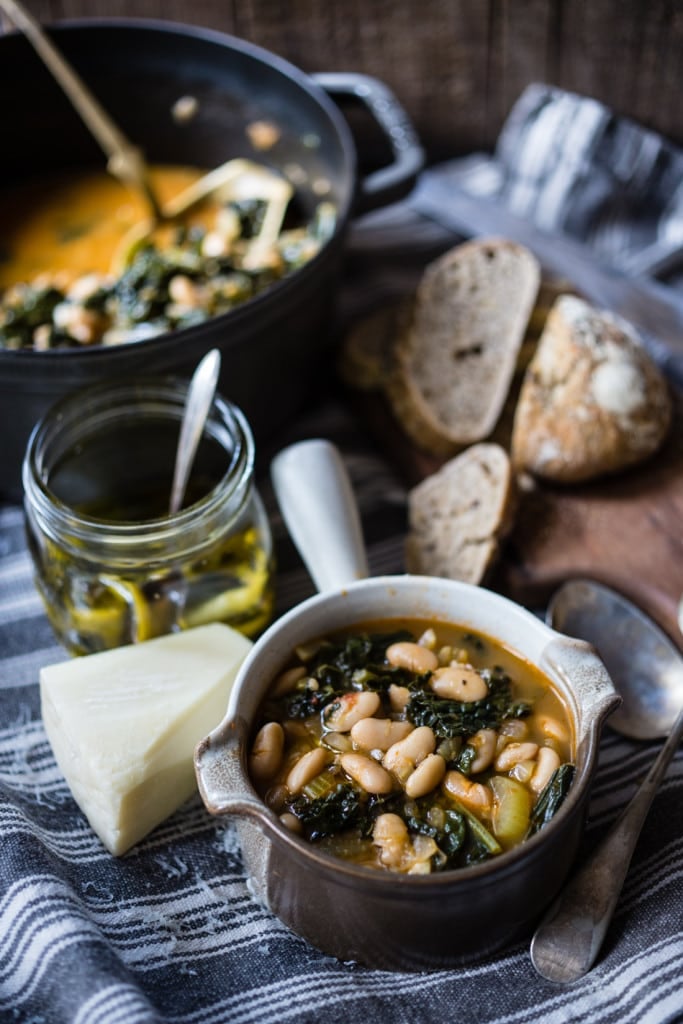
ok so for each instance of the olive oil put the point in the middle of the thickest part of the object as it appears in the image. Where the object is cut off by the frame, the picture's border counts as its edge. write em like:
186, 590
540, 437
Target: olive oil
113, 567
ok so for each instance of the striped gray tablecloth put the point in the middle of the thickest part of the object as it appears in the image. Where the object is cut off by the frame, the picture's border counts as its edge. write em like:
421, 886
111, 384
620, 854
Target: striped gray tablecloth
171, 932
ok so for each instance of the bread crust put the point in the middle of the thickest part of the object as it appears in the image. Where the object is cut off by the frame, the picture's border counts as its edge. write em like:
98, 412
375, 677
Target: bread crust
592, 401
454, 364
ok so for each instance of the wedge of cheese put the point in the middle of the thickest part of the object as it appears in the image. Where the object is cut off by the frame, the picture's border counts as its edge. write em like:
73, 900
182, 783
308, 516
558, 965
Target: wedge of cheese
123, 724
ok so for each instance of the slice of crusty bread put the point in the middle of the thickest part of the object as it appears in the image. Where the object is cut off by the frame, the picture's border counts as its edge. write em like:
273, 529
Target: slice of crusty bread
592, 401
459, 515
366, 353
454, 363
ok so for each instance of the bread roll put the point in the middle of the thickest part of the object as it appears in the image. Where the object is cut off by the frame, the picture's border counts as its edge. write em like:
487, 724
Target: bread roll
592, 401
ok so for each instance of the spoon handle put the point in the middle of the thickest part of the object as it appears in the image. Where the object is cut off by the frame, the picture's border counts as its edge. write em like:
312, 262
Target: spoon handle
569, 938
199, 398
317, 503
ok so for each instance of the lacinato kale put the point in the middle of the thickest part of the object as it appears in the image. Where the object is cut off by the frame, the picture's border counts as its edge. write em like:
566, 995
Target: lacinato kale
464, 718
551, 797
337, 811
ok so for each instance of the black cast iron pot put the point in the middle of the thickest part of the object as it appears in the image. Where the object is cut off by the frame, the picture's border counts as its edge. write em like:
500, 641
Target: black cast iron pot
274, 345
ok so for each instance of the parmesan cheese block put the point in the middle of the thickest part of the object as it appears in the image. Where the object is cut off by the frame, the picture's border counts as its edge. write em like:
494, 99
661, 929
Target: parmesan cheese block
123, 724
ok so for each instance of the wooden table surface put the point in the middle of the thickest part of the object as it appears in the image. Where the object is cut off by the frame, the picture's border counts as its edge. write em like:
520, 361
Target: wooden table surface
456, 65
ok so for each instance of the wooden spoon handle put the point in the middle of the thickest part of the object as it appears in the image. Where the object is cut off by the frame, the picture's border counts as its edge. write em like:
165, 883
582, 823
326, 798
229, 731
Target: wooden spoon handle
125, 160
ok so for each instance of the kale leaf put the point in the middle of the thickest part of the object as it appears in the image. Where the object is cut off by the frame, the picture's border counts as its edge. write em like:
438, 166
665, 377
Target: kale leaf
463, 718
337, 811
551, 797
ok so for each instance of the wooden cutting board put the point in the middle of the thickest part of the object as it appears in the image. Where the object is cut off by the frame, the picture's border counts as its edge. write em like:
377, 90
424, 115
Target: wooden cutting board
625, 531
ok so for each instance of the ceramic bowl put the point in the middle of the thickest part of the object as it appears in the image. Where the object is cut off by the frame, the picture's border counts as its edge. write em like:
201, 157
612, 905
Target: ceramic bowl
382, 919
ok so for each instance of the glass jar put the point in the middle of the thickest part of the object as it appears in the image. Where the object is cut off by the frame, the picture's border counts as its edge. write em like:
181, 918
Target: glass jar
112, 566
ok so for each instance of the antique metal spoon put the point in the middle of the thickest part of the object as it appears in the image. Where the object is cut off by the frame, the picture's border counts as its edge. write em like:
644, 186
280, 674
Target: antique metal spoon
199, 398
647, 670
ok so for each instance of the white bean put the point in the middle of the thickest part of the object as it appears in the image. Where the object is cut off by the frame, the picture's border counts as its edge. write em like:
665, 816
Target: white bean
484, 742
414, 657
287, 680
345, 711
553, 729
379, 733
474, 795
266, 751
390, 833
426, 776
547, 762
461, 683
367, 773
398, 697
291, 822
403, 757
305, 769
513, 753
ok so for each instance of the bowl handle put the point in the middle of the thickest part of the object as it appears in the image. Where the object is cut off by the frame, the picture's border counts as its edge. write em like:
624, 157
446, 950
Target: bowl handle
394, 181
596, 697
221, 777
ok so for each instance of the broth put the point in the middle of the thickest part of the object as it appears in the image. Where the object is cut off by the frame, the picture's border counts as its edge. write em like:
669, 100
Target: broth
73, 223
73, 274
412, 746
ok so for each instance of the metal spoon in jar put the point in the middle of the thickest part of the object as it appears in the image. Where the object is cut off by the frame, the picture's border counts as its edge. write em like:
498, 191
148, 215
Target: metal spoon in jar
199, 398
647, 670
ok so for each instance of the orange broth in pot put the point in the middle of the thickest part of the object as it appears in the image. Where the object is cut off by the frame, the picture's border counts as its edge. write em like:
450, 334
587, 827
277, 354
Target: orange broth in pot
74, 222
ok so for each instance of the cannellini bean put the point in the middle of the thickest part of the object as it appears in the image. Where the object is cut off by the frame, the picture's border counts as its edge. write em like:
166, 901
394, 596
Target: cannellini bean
367, 773
428, 639
390, 833
291, 822
484, 742
398, 697
343, 713
266, 751
547, 762
513, 729
474, 795
340, 742
414, 657
379, 733
523, 771
403, 757
287, 680
552, 728
426, 776
305, 769
461, 683
513, 753
184, 291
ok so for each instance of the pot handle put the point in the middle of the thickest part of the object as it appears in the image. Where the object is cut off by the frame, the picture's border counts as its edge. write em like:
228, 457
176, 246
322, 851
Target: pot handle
393, 182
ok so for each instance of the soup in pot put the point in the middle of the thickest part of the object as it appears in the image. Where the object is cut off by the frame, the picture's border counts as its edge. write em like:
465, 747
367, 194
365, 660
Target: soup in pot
73, 275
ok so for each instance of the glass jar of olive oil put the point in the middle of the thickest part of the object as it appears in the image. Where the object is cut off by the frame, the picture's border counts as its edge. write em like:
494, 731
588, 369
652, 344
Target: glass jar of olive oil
111, 564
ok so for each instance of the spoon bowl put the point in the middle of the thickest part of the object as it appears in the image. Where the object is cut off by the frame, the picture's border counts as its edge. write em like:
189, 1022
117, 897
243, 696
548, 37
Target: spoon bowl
647, 668
199, 398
